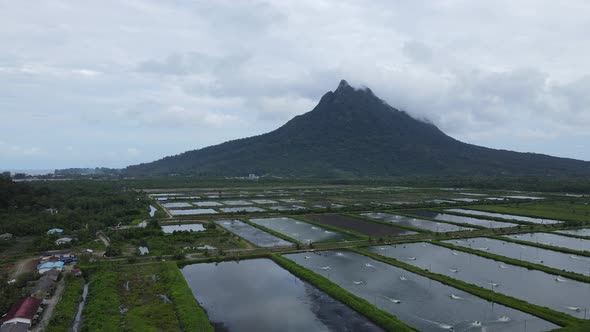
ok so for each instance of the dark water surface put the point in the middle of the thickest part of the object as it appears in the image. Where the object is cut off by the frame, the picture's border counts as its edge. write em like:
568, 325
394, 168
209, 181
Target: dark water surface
258, 295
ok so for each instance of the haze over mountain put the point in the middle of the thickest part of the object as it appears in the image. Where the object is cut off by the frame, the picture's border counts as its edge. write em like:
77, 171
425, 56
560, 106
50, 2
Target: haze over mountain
351, 132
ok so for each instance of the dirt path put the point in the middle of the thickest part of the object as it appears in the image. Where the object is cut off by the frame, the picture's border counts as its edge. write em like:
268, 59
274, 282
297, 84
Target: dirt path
103, 238
24, 265
51, 303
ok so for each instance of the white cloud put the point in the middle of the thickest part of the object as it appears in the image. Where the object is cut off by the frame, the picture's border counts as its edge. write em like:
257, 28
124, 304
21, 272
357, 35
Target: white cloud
163, 77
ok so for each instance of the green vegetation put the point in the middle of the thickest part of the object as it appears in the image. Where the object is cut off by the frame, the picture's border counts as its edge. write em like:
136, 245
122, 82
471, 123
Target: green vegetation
142, 297
190, 315
101, 311
65, 311
574, 212
542, 312
380, 317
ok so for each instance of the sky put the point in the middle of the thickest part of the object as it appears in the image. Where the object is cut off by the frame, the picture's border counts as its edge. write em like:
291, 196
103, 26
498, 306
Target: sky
113, 83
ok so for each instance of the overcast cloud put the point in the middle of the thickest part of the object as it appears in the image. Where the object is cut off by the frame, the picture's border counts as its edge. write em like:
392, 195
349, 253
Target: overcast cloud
113, 83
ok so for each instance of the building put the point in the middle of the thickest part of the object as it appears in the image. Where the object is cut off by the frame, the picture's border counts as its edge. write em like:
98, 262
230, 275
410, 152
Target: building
55, 231
47, 266
15, 327
44, 288
52, 274
6, 236
23, 311
143, 251
63, 240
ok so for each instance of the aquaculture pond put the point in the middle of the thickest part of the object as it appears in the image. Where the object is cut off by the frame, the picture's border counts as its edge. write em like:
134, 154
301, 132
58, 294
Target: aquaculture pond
264, 201
252, 234
554, 240
299, 230
242, 209
506, 216
540, 288
360, 226
237, 203
207, 203
550, 258
418, 301
176, 205
191, 212
461, 219
258, 295
577, 232
183, 227
286, 207
432, 226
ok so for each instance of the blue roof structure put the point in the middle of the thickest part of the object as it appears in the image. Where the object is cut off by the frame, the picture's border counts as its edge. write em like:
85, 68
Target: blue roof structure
55, 231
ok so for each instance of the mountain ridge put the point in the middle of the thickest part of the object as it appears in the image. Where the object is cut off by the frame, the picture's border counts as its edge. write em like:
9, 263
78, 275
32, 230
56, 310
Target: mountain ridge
352, 132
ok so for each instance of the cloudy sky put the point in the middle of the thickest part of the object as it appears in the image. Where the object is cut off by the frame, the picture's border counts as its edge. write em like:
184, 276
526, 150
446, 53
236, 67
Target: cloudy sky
113, 83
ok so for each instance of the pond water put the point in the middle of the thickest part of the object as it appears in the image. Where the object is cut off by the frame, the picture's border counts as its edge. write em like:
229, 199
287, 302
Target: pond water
554, 259
540, 288
466, 200
461, 219
524, 197
418, 301
237, 203
242, 209
259, 295
264, 201
252, 234
416, 223
183, 227
191, 212
207, 203
176, 205
578, 232
286, 207
554, 240
292, 200
505, 216
299, 230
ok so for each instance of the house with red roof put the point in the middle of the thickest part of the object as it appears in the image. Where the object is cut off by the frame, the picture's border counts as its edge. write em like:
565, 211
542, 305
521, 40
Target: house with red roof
23, 311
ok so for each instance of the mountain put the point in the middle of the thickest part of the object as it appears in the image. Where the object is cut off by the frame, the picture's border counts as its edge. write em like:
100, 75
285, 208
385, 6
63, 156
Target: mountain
351, 132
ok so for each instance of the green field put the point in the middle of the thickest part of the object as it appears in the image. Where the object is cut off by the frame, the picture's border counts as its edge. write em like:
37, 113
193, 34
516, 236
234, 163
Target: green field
574, 211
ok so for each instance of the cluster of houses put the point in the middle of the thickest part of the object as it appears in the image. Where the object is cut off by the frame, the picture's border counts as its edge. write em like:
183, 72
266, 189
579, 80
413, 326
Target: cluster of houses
26, 312
62, 239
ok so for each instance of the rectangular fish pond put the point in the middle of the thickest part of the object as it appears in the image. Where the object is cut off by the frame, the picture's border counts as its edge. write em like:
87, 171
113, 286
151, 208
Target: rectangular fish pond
258, 295
252, 234
418, 301
299, 230
191, 212
554, 240
536, 287
506, 216
360, 226
183, 227
577, 232
461, 219
242, 209
428, 225
550, 258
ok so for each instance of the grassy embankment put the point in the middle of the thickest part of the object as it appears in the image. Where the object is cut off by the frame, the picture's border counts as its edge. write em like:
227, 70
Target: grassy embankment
142, 297
553, 316
572, 211
65, 311
378, 316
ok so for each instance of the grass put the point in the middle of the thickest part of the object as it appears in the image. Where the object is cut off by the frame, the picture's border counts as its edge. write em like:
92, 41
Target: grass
378, 316
572, 211
65, 311
190, 315
545, 313
142, 297
101, 311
